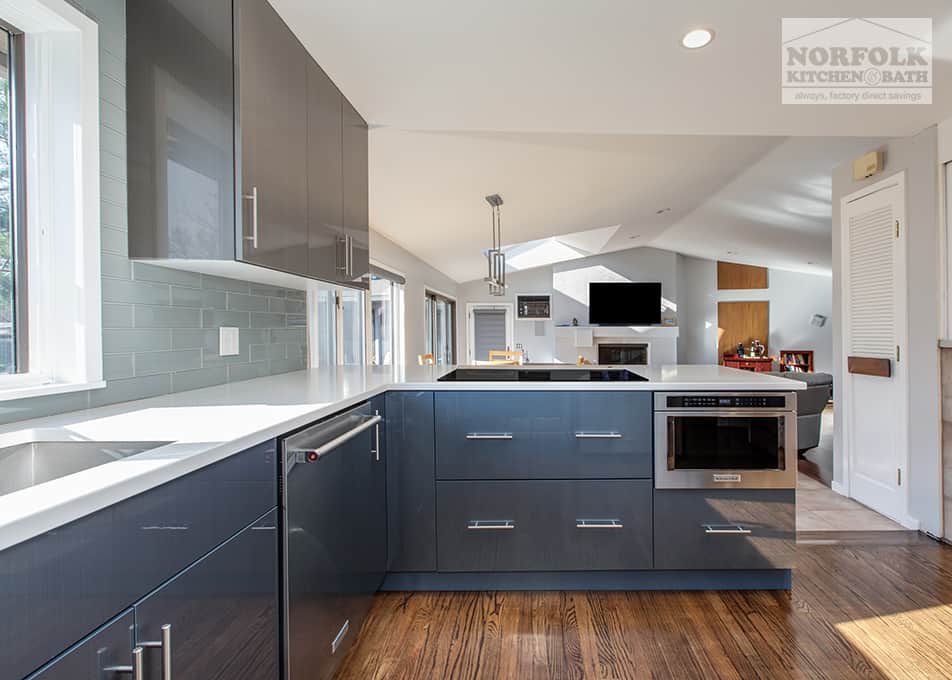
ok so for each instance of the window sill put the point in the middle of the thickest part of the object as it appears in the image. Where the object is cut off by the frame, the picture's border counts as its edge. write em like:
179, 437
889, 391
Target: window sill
25, 391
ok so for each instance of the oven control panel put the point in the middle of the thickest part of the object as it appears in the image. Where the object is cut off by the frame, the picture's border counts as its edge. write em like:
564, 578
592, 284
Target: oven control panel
733, 401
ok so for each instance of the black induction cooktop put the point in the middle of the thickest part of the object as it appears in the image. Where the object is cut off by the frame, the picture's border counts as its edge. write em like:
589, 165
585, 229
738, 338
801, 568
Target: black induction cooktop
542, 375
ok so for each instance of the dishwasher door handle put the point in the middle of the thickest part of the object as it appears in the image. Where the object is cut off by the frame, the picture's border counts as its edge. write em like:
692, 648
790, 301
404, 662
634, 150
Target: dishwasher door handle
324, 449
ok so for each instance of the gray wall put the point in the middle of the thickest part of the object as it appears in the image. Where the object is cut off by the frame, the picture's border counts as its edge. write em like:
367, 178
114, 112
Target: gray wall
794, 298
420, 277
159, 325
918, 157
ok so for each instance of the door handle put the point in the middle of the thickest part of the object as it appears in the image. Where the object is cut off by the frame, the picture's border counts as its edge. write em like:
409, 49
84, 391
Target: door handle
136, 670
324, 449
725, 529
490, 525
502, 436
165, 644
599, 524
253, 197
598, 435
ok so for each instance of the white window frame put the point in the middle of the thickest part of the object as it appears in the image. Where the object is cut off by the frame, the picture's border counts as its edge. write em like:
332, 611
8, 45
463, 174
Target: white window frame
314, 288
61, 50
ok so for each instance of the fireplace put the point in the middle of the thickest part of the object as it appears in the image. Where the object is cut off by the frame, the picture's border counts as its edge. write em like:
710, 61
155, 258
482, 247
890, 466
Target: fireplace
627, 353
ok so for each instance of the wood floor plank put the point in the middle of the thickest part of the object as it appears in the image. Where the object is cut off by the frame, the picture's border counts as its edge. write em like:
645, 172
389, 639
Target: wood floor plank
872, 606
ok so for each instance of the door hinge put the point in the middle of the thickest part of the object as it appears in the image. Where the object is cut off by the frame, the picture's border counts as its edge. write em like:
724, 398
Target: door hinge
898, 476
897, 228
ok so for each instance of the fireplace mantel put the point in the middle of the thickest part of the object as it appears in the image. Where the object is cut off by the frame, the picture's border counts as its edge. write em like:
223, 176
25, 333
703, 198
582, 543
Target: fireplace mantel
572, 342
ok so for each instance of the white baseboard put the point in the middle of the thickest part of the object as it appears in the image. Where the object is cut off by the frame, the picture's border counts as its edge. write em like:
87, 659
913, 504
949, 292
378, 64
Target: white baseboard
839, 488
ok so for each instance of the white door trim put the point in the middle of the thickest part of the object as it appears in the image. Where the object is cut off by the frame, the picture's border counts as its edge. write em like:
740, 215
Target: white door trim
510, 309
847, 456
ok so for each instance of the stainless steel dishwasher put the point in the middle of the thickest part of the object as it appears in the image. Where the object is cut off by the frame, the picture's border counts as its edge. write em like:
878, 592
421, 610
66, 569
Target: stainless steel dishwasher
333, 497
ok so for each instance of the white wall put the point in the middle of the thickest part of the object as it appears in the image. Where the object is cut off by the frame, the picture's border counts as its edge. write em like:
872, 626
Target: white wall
689, 283
536, 337
918, 157
794, 298
420, 277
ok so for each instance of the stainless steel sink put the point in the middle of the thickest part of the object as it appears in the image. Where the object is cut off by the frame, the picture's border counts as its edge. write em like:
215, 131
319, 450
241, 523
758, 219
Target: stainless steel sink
32, 463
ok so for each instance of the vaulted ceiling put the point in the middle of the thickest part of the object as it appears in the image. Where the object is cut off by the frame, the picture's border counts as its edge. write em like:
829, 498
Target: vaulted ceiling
587, 115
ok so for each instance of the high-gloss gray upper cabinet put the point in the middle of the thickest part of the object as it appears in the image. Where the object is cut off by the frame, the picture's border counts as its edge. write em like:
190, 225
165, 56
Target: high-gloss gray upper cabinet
325, 182
272, 118
356, 193
238, 149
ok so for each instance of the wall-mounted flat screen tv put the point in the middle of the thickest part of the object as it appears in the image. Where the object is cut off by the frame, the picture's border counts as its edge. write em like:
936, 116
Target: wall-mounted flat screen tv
624, 304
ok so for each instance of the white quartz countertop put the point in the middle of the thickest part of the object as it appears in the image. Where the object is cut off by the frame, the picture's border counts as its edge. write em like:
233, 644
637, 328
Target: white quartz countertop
207, 425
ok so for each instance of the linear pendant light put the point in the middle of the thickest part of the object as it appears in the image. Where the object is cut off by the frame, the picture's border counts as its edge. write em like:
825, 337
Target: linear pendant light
495, 257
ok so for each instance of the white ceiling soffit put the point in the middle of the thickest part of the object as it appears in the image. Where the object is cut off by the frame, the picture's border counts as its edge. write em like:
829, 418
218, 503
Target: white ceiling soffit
613, 66
427, 189
776, 213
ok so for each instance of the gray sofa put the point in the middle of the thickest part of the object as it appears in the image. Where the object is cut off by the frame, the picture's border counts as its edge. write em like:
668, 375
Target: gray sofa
810, 405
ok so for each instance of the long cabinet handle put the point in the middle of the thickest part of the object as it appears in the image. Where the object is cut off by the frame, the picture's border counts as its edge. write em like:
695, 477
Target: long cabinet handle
490, 525
725, 529
341, 242
598, 435
599, 524
136, 670
253, 197
376, 450
502, 436
324, 449
165, 645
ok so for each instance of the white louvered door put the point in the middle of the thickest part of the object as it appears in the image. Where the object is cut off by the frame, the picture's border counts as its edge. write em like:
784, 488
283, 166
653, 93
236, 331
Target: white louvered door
874, 294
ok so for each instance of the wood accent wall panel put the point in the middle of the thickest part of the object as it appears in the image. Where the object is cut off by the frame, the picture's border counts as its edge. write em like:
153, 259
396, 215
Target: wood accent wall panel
733, 276
741, 322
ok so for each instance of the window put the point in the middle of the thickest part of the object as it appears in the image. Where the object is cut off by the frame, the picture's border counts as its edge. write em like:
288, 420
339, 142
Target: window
386, 318
336, 322
440, 320
50, 302
13, 326
351, 323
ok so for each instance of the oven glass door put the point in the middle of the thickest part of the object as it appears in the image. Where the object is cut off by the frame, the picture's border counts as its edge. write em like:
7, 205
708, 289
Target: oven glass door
722, 442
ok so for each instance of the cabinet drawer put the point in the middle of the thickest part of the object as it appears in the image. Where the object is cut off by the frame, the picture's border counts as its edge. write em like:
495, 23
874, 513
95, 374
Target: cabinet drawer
109, 646
543, 435
543, 525
736, 529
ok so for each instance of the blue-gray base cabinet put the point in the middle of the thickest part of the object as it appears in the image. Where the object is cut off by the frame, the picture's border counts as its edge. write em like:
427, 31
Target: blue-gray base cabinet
729, 529
543, 525
60, 587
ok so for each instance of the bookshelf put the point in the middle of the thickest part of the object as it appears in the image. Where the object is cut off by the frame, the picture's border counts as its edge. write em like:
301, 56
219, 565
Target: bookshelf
796, 360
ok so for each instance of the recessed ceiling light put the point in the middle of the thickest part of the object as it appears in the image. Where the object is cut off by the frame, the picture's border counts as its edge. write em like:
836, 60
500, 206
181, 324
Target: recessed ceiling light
697, 38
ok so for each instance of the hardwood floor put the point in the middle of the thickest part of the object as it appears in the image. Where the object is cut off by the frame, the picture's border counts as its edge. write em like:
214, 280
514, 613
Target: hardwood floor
863, 605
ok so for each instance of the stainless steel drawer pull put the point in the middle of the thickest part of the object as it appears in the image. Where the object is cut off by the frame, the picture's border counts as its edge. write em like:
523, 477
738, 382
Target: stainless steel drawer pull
324, 449
502, 436
599, 524
136, 670
598, 435
165, 644
725, 529
490, 525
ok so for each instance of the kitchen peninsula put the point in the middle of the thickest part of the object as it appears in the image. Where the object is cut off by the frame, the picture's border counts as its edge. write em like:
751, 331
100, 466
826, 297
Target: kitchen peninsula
675, 477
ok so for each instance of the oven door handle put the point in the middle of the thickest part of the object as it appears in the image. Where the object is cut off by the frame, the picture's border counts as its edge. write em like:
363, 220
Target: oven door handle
727, 413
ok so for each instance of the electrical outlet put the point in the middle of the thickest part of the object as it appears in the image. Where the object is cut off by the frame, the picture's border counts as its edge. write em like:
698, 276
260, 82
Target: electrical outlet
227, 341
